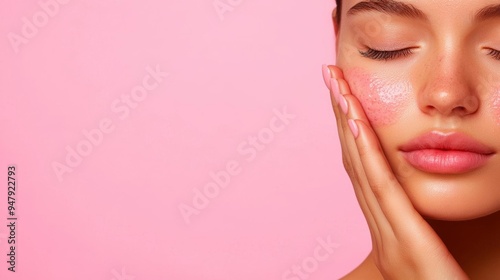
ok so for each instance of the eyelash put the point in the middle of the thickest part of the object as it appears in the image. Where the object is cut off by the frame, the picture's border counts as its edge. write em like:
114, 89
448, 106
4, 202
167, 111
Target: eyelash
494, 53
389, 55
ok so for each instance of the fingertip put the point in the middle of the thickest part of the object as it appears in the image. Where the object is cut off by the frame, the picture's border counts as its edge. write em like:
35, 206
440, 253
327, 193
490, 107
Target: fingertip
336, 72
327, 75
360, 128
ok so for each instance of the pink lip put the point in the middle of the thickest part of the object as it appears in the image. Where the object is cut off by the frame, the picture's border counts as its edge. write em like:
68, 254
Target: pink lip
452, 153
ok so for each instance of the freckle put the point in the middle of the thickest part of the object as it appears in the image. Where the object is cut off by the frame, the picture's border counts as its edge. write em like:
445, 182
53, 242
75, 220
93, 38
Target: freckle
383, 99
495, 105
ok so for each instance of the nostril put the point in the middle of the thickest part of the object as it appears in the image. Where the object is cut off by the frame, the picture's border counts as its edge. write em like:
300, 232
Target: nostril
461, 110
446, 104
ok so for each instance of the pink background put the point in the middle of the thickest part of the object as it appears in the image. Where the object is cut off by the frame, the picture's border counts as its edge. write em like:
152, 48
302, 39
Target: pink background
116, 215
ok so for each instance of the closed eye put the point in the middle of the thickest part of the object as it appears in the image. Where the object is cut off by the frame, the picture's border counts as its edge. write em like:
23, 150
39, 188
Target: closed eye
494, 53
386, 55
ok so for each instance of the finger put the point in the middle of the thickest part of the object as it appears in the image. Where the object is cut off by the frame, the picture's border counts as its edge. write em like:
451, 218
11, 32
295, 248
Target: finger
341, 127
335, 73
347, 161
371, 211
355, 111
346, 157
386, 189
376, 215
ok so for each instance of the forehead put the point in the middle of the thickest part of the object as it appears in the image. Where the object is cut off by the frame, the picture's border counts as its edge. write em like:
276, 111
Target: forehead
425, 9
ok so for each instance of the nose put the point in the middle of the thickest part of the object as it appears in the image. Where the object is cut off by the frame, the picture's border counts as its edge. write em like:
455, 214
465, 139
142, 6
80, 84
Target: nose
446, 89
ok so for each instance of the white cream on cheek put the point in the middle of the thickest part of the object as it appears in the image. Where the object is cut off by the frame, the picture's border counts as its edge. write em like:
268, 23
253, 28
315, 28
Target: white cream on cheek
383, 99
495, 105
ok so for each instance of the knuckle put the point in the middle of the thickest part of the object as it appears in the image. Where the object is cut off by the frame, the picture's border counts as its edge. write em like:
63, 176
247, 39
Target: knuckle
379, 188
367, 151
382, 186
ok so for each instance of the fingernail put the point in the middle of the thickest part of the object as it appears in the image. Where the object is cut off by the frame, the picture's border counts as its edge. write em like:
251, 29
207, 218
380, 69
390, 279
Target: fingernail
335, 89
354, 128
327, 75
343, 104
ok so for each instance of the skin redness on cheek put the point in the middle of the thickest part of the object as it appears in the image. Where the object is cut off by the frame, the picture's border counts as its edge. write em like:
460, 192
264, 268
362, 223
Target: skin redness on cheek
495, 105
384, 99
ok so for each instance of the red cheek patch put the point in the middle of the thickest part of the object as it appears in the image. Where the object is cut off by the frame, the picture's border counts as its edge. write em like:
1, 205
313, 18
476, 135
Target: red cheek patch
495, 105
383, 99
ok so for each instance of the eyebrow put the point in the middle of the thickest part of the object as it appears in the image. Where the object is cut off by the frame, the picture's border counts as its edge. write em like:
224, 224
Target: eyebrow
388, 7
488, 12
407, 10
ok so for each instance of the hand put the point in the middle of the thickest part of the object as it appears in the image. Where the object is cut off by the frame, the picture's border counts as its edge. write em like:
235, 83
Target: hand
404, 245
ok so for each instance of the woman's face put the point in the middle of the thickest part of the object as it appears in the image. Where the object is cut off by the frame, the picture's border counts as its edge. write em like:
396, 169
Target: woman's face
439, 75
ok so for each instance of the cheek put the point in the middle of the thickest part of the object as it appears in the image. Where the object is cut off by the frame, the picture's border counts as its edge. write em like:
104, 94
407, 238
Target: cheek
384, 100
495, 105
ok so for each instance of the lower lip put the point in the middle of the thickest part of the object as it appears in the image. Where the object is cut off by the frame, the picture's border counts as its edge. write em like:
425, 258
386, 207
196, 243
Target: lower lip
445, 161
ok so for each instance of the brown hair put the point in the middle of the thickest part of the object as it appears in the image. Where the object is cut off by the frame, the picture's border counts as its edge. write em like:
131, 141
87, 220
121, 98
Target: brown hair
339, 9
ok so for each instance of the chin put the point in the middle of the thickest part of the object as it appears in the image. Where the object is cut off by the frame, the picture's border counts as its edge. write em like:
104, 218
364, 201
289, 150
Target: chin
452, 197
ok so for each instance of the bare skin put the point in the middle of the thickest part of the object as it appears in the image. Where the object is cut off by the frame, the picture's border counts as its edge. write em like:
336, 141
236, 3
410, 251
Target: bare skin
424, 224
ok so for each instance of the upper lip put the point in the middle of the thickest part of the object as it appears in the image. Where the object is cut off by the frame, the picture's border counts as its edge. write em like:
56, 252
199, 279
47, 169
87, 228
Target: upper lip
455, 141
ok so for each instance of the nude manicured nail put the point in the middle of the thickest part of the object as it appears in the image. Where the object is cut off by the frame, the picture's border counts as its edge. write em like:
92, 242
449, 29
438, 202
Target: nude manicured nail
343, 104
327, 75
354, 128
